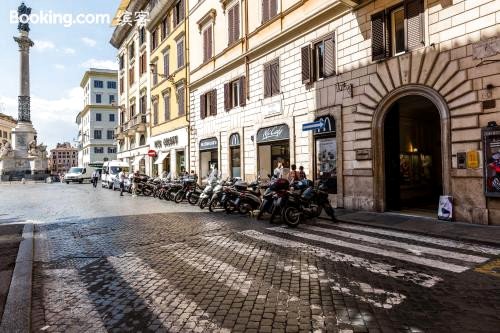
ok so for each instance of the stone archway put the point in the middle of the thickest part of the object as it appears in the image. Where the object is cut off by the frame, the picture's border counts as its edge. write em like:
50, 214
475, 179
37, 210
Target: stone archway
379, 117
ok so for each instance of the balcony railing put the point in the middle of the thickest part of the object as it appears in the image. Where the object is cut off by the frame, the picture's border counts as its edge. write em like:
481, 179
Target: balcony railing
135, 122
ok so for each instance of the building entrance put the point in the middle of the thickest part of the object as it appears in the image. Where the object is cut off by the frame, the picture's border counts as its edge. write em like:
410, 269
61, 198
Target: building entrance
412, 146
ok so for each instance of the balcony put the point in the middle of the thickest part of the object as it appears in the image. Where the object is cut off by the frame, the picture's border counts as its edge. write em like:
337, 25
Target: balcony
119, 133
135, 125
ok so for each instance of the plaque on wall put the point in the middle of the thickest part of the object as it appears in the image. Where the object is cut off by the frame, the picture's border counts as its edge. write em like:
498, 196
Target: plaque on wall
461, 160
363, 154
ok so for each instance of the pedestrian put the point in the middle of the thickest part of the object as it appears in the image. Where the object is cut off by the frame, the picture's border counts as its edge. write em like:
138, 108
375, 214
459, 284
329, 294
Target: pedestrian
278, 171
302, 174
121, 179
135, 182
95, 176
293, 176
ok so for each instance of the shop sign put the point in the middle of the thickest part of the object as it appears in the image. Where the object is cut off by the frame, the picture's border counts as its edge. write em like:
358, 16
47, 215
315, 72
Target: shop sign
271, 109
152, 153
158, 144
273, 133
363, 154
315, 125
171, 141
491, 160
208, 144
234, 140
328, 125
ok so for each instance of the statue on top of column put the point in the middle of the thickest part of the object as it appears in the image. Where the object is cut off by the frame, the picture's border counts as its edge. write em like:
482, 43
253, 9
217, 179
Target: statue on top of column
24, 11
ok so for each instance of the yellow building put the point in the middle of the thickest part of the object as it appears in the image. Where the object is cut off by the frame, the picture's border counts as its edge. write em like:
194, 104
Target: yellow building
7, 123
169, 89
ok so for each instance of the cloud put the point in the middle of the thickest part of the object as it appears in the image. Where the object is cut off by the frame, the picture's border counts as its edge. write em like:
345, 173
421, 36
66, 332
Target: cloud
59, 66
69, 50
54, 120
89, 41
43, 45
102, 64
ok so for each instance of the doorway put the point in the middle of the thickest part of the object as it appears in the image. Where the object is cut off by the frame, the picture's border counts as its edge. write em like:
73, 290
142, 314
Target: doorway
413, 156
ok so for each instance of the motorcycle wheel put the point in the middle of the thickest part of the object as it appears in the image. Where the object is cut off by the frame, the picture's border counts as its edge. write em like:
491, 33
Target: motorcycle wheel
329, 210
214, 204
275, 212
292, 216
192, 199
179, 196
229, 207
147, 191
244, 208
203, 203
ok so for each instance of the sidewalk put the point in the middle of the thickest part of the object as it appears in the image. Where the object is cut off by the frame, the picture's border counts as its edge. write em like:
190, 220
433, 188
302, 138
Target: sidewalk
423, 225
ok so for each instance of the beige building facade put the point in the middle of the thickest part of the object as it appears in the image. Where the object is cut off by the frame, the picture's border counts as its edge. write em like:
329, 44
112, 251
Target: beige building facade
7, 123
62, 158
403, 93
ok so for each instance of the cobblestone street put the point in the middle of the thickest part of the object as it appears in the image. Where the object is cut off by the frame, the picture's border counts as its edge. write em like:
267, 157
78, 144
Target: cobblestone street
110, 263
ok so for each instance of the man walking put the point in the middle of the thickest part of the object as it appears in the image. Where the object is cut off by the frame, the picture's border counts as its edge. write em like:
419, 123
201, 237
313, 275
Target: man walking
95, 176
121, 179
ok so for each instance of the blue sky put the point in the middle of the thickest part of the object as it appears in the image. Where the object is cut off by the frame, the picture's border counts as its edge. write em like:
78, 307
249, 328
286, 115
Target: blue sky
60, 57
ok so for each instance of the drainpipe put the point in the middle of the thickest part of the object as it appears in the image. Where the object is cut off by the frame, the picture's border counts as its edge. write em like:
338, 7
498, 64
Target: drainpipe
187, 158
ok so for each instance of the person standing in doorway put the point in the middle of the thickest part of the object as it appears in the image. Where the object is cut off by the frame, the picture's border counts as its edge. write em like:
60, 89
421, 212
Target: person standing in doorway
95, 176
302, 174
121, 179
278, 171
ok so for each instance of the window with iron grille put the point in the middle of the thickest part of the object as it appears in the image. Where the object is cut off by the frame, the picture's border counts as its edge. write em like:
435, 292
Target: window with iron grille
272, 78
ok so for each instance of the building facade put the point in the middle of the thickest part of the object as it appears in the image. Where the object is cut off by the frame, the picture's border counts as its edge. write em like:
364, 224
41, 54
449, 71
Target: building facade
7, 123
401, 94
169, 89
62, 158
133, 128
99, 117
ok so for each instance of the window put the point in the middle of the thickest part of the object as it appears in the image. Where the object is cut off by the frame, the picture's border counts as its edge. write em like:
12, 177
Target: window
164, 28
208, 104
233, 23
98, 117
271, 78
111, 84
132, 111
180, 100
111, 150
178, 12
154, 73
397, 30
269, 9
131, 51
122, 115
98, 84
97, 134
142, 140
142, 64
111, 117
166, 107
98, 150
166, 63
318, 61
122, 62
109, 134
142, 35
207, 43
155, 112
131, 75
180, 53
121, 85
98, 98
111, 99
154, 39
142, 105
234, 93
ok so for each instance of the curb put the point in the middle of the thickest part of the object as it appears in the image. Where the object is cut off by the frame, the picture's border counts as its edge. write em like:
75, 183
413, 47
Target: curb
431, 234
17, 311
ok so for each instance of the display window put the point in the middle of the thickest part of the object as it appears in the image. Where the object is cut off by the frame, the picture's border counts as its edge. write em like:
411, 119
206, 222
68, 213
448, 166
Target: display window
326, 154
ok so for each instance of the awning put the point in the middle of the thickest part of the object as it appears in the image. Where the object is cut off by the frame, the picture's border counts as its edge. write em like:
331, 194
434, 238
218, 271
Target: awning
137, 160
161, 157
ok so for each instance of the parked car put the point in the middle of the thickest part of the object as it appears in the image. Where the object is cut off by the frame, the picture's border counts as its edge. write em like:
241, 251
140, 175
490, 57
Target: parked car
110, 171
116, 185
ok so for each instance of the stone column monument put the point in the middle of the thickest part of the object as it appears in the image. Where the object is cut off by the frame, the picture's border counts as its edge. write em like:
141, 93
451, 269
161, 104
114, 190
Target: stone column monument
24, 159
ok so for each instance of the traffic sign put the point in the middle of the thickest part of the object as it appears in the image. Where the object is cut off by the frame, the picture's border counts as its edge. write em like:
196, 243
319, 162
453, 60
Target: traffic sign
320, 124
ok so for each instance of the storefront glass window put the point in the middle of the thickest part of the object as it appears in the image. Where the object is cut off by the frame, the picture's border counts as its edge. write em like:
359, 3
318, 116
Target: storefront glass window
235, 162
180, 162
142, 166
326, 162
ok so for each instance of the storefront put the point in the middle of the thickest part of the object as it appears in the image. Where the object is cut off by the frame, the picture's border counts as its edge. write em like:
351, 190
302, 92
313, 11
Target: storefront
273, 147
235, 154
325, 150
209, 156
170, 152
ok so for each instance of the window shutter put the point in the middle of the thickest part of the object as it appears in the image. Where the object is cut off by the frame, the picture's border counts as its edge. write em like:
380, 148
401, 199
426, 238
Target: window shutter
227, 97
213, 102
175, 17
414, 24
209, 39
329, 65
274, 8
230, 26
306, 65
265, 11
379, 36
243, 89
267, 80
236, 22
275, 78
181, 10
203, 106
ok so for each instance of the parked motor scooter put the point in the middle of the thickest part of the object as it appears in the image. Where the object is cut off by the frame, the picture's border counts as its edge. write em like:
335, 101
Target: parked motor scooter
207, 193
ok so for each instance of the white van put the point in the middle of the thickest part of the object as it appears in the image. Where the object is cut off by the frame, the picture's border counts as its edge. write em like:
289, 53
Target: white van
110, 171
78, 175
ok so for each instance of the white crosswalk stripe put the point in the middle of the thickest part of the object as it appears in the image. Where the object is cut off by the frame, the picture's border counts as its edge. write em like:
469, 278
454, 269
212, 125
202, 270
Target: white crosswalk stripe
419, 238
416, 249
376, 267
374, 250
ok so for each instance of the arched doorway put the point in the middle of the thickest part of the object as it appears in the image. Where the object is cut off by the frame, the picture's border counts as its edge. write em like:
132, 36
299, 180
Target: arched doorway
412, 145
416, 115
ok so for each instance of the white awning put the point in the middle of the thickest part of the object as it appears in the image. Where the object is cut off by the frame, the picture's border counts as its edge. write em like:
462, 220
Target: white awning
161, 157
137, 160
